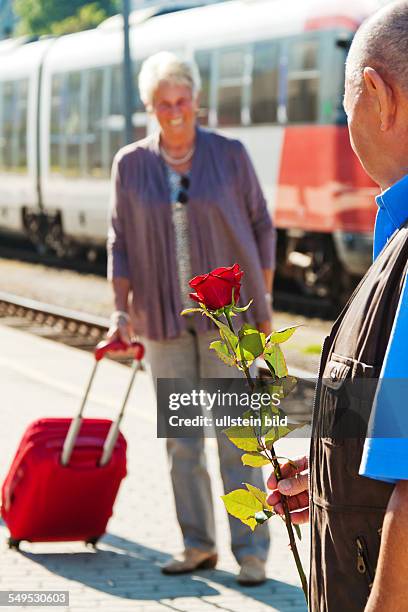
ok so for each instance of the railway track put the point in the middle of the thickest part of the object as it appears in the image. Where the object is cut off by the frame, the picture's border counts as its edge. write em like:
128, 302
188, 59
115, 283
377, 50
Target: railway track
287, 297
70, 327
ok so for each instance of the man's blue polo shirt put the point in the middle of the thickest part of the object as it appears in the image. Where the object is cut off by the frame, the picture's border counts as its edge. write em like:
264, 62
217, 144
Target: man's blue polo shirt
385, 455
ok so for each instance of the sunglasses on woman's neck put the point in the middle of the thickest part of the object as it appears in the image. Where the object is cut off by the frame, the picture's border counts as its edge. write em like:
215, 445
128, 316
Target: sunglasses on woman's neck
183, 193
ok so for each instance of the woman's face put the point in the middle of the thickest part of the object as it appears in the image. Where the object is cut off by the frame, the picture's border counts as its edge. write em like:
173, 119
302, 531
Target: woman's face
175, 109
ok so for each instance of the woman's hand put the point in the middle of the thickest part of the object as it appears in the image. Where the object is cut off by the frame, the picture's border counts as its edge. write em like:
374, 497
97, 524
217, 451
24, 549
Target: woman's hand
265, 327
120, 327
295, 486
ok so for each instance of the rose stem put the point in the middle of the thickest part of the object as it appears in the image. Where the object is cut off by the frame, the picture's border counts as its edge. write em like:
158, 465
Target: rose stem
276, 467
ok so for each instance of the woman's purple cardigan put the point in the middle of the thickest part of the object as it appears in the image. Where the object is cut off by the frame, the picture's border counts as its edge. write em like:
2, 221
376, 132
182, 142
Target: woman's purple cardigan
228, 223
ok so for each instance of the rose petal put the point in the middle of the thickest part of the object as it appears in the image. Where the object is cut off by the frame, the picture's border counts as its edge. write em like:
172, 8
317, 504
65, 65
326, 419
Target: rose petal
195, 297
197, 280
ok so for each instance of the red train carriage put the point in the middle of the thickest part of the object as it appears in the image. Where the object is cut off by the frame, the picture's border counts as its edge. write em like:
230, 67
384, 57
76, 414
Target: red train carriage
273, 76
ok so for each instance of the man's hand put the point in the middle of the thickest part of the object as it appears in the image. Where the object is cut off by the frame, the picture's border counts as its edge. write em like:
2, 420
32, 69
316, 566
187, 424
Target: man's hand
294, 486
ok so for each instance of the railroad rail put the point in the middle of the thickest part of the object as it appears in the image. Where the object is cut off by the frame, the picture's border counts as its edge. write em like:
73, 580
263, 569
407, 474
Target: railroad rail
74, 327
71, 327
84, 331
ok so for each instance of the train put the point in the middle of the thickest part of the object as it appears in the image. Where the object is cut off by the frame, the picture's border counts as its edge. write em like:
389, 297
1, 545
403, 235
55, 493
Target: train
272, 75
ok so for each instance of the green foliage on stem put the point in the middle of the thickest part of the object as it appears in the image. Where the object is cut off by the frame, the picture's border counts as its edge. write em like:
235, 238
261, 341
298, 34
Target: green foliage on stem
275, 361
222, 351
236, 309
254, 459
251, 344
243, 437
260, 495
243, 505
282, 335
276, 433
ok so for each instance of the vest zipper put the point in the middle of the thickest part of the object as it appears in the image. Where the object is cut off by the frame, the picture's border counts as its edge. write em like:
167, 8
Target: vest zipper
323, 353
363, 566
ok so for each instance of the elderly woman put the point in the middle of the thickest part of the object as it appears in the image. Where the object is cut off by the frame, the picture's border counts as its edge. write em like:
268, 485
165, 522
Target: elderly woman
185, 201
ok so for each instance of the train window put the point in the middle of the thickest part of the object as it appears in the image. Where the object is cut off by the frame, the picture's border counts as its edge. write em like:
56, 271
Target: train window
264, 96
203, 60
303, 81
116, 119
231, 64
57, 110
8, 123
72, 123
21, 124
94, 132
13, 143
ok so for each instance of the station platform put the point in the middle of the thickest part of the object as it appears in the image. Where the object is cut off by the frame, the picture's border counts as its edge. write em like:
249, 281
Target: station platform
41, 378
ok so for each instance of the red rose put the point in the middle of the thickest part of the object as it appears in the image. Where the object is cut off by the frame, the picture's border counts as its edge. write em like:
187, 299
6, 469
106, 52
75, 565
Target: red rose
215, 288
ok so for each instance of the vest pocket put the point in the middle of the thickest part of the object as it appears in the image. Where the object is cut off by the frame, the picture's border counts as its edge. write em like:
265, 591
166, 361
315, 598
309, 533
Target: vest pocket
333, 401
363, 562
345, 403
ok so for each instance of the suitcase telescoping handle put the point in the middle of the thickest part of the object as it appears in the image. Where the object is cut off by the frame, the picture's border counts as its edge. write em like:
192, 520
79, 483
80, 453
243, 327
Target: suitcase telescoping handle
103, 348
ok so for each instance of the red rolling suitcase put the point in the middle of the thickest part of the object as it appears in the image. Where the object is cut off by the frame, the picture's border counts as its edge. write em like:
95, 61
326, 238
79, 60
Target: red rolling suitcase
66, 473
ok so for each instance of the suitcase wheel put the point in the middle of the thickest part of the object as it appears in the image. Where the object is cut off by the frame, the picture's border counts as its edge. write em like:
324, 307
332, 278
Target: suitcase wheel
92, 542
13, 544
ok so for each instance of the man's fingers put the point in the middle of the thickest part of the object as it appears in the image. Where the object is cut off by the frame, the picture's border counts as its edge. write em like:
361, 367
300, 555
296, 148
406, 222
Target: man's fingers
288, 470
295, 485
294, 503
298, 518
274, 498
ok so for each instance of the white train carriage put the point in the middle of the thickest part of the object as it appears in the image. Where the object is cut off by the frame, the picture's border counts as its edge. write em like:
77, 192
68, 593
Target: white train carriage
272, 73
20, 67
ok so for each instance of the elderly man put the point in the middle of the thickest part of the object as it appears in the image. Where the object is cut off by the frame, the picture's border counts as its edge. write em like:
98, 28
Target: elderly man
359, 477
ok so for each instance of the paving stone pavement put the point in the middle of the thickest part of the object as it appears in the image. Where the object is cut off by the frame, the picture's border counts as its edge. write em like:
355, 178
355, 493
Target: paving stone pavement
42, 378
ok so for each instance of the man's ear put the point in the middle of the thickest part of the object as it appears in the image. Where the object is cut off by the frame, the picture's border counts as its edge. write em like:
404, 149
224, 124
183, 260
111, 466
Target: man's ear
384, 97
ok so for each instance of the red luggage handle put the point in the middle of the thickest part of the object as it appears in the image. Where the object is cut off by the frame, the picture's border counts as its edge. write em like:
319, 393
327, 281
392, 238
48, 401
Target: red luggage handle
102, 349
136, 349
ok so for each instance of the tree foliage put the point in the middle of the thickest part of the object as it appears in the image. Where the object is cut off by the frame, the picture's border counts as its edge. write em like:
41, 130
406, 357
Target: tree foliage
57, 17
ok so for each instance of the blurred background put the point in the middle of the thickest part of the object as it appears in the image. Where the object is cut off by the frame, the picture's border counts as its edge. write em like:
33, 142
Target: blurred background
272, 75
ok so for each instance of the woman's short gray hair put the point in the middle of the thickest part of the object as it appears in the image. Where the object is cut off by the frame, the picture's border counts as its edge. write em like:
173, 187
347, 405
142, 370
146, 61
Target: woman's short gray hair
166, 66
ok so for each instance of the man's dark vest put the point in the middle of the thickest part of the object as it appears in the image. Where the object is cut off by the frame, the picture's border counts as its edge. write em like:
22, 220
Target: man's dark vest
347, 510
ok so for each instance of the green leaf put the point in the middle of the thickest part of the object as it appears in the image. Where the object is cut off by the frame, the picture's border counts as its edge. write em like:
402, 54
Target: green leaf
254, 459
190, 310
260, 495
242, 308
243, 505
298, 531
288, 384
276, 433
274, 359
263, 516
243, 437
282, 335
225, 332
292, 463
251, 343
222, 351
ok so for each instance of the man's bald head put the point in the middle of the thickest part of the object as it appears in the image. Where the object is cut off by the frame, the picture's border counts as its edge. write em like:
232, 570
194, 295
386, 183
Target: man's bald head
382, 43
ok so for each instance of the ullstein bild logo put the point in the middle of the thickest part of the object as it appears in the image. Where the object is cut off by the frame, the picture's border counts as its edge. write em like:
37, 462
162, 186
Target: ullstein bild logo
227, 421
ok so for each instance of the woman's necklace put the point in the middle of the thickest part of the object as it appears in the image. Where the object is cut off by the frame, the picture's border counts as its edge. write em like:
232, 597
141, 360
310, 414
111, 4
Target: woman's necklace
177, 161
